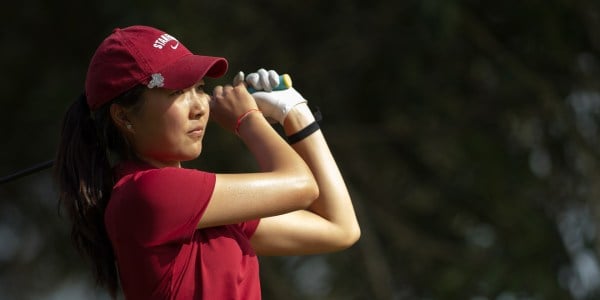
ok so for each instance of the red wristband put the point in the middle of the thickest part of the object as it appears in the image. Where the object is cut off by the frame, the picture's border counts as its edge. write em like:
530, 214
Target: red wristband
241, 118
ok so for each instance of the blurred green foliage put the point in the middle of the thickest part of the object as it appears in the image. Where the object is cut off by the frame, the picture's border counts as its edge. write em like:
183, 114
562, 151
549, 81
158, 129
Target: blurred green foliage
467, 132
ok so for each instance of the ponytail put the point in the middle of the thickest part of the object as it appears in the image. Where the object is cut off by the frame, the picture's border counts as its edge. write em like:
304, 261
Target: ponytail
85, 180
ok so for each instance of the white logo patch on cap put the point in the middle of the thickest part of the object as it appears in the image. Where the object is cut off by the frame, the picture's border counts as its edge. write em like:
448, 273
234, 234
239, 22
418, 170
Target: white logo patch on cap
157, 81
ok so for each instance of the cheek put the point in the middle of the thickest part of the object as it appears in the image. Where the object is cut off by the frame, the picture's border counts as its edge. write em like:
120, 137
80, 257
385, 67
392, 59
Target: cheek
150, 138
175, 125
159, 133
167, 130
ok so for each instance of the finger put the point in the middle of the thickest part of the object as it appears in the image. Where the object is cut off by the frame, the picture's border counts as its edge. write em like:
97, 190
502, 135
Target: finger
239, 78
227, 89
218, 91
264, 80
252, 79
273, 78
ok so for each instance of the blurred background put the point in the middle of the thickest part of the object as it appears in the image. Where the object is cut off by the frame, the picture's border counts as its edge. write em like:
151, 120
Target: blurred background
467, 131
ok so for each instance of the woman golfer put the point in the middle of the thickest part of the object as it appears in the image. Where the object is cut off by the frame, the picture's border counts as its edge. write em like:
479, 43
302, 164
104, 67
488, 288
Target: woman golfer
166, 232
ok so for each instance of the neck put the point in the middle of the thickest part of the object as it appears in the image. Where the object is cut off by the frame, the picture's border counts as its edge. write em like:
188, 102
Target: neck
161, 164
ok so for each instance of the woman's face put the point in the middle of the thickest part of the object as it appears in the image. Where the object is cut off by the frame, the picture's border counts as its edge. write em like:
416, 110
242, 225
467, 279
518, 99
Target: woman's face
170, 125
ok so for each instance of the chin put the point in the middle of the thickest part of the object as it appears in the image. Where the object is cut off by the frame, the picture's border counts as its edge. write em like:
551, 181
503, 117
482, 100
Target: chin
191, 156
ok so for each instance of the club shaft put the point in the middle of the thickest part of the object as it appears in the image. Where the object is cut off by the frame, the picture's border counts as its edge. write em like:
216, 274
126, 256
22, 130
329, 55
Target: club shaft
25, 172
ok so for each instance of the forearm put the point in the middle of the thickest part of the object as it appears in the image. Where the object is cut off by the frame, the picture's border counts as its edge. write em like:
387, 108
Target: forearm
334, 203
270, 151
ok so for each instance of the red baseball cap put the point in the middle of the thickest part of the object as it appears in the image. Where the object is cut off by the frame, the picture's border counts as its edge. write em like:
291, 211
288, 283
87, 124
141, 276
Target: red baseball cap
144, 55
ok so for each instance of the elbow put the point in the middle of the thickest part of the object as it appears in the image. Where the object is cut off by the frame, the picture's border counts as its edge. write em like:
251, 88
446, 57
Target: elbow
355, 233
352, 236
346, 239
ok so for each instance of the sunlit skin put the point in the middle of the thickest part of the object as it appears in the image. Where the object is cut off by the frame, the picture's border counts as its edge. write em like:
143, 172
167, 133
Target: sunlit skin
299, 193
170, 125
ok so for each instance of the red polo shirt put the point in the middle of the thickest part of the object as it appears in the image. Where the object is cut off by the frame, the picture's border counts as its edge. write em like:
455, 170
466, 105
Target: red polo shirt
151, 220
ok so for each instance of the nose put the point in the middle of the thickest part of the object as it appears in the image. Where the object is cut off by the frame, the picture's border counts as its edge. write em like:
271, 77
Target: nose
199, 105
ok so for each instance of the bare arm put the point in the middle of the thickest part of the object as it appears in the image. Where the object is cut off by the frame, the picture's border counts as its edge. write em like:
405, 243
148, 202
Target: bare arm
284, 184
330, 223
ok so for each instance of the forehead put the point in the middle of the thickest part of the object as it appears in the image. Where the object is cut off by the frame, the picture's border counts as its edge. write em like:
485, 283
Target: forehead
163, 95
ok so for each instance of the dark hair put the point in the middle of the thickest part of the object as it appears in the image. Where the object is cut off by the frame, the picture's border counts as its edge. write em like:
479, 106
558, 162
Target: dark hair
88, 142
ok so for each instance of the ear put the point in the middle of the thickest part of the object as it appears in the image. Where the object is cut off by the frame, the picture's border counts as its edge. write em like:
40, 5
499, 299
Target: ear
120, 117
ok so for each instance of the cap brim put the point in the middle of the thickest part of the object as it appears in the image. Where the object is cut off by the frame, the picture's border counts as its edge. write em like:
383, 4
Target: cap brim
190, 69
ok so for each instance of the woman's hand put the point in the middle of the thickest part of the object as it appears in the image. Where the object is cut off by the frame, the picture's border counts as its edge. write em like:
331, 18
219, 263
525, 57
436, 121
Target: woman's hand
275, 105
229, 103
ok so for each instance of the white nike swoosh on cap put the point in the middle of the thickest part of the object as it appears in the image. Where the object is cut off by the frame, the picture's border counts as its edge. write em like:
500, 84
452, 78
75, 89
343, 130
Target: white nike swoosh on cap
175, 47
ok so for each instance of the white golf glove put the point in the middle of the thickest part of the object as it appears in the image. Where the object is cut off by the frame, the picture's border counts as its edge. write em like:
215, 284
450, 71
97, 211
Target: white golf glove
275, 105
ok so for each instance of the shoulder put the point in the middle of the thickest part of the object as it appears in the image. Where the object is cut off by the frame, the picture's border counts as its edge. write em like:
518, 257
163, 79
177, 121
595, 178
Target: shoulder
171, 177
156, 184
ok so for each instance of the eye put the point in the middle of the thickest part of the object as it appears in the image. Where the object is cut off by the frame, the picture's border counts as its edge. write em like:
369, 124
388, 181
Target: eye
176, 93
200, 87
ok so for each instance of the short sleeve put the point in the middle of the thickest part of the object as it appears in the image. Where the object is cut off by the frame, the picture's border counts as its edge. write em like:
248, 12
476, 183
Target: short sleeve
169, 203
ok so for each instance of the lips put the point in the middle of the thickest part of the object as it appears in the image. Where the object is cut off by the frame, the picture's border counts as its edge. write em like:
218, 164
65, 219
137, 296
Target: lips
196, 131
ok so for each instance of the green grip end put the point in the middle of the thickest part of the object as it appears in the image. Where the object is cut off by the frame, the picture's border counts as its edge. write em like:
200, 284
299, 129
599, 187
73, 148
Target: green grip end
285, 82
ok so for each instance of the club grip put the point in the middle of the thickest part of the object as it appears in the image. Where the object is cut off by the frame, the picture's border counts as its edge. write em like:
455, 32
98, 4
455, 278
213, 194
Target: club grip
285, 82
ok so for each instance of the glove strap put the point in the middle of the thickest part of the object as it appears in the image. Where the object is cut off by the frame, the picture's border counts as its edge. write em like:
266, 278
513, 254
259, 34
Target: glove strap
308, 130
